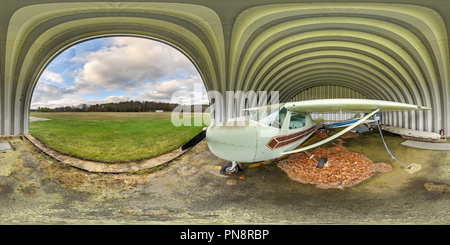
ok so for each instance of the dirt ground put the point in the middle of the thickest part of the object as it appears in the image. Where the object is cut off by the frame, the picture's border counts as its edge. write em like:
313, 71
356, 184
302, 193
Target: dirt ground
35, 189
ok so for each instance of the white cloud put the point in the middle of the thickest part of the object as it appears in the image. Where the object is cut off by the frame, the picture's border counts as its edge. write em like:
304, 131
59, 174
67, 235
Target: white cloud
52, 76
109, 99
163, 91
128, 63
48, 95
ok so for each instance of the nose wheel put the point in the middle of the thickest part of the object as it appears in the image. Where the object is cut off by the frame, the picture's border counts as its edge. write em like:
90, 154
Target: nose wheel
229, 168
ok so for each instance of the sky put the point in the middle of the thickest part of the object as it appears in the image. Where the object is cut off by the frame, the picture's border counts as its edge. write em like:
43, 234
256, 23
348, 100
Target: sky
117, 69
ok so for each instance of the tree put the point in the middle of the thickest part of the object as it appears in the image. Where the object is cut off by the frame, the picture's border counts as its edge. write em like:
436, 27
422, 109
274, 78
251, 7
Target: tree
124, 106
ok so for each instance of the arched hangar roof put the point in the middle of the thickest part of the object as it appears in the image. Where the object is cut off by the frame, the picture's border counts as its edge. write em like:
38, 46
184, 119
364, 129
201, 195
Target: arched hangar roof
396, 52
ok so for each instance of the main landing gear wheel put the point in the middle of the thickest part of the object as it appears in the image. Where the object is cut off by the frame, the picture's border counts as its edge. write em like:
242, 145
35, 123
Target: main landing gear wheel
229, 168
322, 162
369, 127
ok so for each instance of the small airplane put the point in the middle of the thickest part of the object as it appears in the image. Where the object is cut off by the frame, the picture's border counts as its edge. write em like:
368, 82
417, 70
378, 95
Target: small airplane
277, 130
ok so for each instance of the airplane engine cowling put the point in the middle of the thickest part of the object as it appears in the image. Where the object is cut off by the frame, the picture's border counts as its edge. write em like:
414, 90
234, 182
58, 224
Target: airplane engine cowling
233, 141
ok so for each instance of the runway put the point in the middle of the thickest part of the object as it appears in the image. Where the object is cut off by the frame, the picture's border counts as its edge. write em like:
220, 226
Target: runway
36, 119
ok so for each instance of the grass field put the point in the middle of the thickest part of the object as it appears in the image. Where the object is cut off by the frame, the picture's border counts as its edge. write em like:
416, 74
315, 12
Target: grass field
111, 137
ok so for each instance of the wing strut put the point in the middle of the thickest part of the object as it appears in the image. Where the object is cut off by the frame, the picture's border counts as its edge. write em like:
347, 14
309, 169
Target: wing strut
334, 136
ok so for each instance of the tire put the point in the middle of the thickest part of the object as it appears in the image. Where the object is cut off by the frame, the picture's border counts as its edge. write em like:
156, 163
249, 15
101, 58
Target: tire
322, 162
226, 168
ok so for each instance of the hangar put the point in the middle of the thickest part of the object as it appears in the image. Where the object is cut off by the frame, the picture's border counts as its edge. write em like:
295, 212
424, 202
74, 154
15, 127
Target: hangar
340, 49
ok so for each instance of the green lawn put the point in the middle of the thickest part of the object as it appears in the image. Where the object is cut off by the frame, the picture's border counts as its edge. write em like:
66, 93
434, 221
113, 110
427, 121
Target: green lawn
111, 137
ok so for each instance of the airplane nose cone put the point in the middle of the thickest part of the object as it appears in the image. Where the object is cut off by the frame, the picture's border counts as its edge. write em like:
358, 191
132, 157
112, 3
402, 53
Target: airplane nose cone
233, 142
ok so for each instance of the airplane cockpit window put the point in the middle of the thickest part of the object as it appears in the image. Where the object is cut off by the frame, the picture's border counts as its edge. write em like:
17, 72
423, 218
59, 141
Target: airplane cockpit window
272, 115
297, 120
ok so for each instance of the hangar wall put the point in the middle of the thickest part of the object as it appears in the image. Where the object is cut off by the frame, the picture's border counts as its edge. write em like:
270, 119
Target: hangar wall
394, 52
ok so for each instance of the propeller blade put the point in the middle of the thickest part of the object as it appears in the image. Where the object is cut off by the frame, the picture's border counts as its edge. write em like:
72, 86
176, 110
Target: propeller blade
199, 137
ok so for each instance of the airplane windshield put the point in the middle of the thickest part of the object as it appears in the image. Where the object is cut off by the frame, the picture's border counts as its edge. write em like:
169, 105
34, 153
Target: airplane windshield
271, 115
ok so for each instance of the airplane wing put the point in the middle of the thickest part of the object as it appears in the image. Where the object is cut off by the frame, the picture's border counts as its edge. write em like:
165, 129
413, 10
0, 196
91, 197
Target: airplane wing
339, 105
349, 105
356, 117
259, 107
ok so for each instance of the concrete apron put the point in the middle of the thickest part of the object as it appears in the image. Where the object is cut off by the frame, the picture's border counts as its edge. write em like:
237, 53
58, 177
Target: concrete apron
5, 146
101, 167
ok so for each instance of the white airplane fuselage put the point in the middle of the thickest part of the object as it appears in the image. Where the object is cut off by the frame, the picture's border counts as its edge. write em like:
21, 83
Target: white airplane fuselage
252, 141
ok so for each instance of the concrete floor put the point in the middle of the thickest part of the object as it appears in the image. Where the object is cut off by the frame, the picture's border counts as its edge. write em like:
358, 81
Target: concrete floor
36, 190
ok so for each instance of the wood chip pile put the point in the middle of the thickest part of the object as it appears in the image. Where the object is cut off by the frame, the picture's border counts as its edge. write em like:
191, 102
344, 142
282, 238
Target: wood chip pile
343, 168
322, 134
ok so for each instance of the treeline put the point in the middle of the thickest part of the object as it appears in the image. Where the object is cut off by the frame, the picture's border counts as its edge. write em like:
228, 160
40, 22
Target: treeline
127, 106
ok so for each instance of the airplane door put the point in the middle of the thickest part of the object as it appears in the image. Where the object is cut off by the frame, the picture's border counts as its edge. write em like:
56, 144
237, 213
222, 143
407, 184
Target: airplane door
296, 122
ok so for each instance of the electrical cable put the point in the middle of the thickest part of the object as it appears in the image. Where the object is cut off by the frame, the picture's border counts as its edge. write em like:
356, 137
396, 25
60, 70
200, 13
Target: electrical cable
392, 157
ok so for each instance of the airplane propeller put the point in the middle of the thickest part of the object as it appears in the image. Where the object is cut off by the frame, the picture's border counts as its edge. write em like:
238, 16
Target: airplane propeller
194, 141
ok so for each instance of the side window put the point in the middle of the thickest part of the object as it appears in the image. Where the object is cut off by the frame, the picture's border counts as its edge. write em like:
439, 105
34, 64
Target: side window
297, 120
